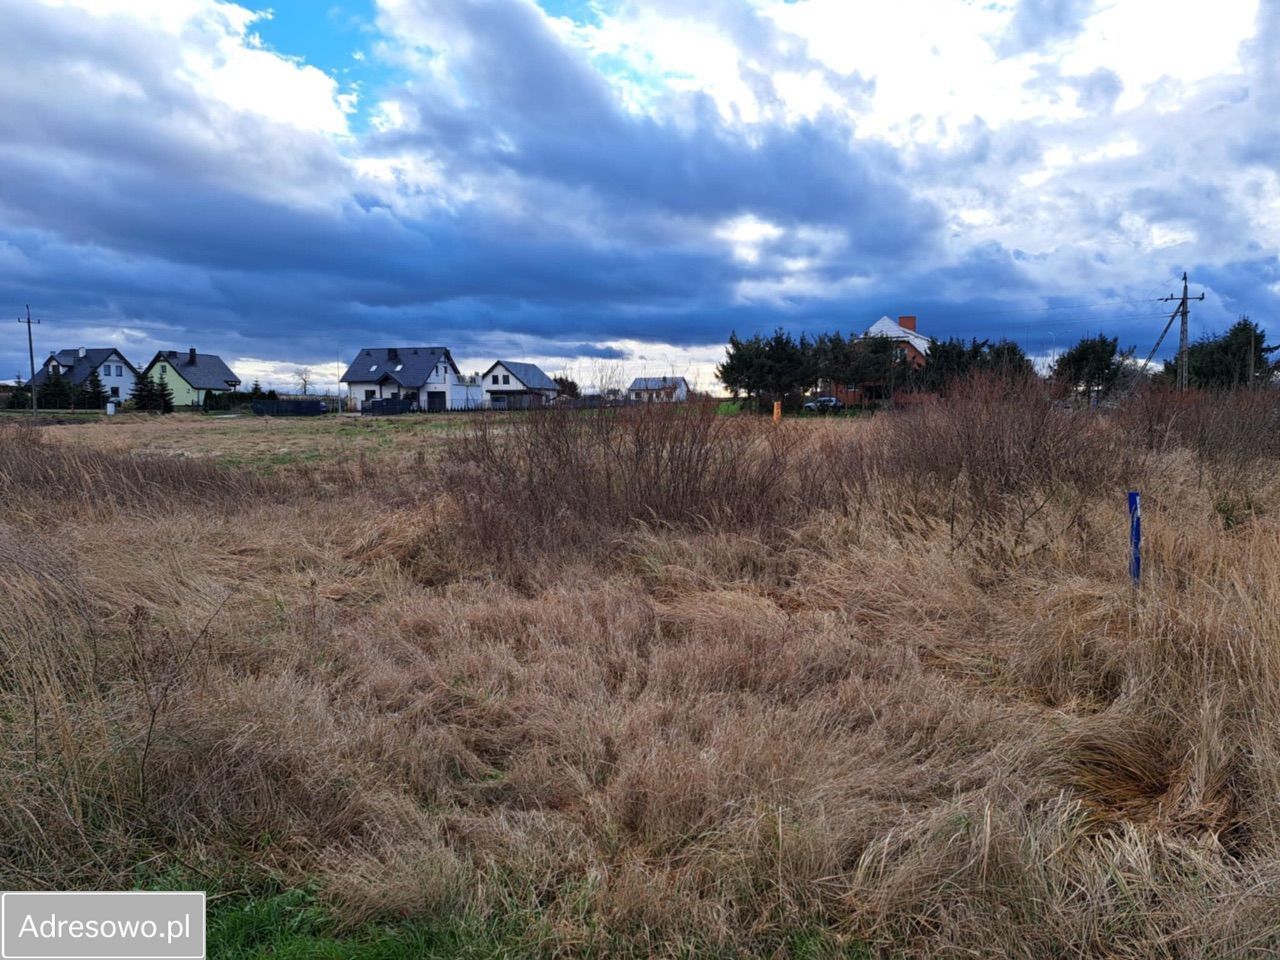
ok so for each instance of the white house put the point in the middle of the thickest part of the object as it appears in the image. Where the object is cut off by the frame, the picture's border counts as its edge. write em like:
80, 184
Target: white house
658, 390
427, 376
509, 386
116, 373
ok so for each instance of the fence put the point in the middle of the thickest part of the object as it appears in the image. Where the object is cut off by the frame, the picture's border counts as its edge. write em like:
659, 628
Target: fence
290, 408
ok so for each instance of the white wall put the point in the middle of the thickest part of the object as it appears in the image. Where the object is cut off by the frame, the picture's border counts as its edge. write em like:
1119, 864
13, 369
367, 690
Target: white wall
513, 385
680, 395
122, 382
464, 395
459, 394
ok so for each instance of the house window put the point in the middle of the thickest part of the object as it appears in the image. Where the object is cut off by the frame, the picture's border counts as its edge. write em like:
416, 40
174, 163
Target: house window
115, 391
119, 370
506, 379
495, 379
370, 394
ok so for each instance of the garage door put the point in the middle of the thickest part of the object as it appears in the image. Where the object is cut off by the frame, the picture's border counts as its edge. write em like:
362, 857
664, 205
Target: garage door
436, 401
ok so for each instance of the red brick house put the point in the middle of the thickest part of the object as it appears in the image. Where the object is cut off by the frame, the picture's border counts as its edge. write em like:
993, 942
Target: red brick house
909, 345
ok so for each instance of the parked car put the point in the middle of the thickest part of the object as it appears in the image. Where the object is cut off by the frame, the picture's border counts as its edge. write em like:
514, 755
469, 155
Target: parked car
824, 405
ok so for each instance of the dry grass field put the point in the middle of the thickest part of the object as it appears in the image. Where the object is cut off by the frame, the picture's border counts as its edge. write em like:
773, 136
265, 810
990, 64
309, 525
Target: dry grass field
260, 443
656, 683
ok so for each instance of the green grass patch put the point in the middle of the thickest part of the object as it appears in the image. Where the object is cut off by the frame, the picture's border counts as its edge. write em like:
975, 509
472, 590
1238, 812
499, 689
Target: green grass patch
260, 918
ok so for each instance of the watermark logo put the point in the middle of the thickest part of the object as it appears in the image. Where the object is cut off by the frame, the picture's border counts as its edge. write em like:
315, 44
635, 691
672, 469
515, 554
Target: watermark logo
102, 926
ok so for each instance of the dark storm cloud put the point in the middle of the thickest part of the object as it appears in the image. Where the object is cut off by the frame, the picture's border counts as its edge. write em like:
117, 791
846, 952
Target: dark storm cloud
538, 109
135, 200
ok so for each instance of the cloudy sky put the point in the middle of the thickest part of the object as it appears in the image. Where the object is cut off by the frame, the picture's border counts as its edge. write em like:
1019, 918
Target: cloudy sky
608, 186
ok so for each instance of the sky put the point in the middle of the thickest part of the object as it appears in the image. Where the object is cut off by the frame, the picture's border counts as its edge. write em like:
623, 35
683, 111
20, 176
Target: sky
609, 188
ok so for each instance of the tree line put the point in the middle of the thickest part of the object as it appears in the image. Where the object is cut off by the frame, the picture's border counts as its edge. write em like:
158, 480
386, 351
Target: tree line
787, 368
765, 369
152, 395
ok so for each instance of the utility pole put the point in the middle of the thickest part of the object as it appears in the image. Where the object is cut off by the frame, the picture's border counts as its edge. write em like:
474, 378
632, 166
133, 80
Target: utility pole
31, 355
1182, 330
1253, 348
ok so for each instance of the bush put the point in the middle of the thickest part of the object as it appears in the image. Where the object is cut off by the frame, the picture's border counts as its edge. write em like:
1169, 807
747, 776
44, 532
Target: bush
1227, 428
568, 476
993, 456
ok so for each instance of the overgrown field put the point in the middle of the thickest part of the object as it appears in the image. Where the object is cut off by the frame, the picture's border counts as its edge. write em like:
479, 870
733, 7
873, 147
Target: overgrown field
659, 682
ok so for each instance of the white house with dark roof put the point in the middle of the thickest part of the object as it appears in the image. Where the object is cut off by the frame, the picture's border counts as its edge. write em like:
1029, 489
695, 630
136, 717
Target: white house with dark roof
116, 373
426, 376
509, 385
658, 390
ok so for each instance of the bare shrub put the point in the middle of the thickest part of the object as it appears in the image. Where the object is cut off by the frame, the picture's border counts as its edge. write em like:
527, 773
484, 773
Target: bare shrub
1226, 426
1002, 464
570, 476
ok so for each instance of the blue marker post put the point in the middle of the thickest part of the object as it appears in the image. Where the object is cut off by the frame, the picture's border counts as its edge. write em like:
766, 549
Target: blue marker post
1135, 536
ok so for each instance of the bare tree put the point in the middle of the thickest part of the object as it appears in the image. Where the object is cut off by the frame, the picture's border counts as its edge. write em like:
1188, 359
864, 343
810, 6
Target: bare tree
303, 376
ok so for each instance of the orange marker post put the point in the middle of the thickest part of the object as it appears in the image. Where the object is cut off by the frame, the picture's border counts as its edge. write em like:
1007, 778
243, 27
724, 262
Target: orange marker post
777, 411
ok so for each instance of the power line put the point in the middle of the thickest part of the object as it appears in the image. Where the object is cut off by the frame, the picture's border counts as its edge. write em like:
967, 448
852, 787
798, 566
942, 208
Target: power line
1059, 306
1101, 318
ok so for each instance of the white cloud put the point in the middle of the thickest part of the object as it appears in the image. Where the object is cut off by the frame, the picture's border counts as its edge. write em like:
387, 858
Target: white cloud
223, 60
746, 234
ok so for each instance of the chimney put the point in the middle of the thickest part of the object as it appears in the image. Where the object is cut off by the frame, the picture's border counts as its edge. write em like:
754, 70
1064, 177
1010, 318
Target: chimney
191, 356
907, 323
80, 353
393, 355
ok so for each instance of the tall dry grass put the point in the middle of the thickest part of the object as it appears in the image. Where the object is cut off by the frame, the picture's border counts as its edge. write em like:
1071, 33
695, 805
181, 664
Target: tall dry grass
675, 720
565, 477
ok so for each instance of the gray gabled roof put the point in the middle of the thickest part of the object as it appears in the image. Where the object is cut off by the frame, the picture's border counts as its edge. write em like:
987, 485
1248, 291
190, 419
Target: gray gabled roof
657, 383
80, 366
207, 373
408, 366
530, 374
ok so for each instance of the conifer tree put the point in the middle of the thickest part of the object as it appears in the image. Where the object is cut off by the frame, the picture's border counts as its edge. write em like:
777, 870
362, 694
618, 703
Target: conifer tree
56, 393
92, 395
154, 396
164, 396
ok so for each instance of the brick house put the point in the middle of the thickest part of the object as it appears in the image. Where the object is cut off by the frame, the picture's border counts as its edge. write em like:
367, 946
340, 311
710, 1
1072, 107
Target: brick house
908, 344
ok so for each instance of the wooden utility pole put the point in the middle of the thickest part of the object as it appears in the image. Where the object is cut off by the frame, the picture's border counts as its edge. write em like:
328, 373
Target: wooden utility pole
1183, 310
31, 355
1253, 348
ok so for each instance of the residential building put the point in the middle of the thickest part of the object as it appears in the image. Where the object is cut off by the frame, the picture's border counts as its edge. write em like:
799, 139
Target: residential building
191, 376
509, 385
909, 347
425, 376
658, 390
116, 373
